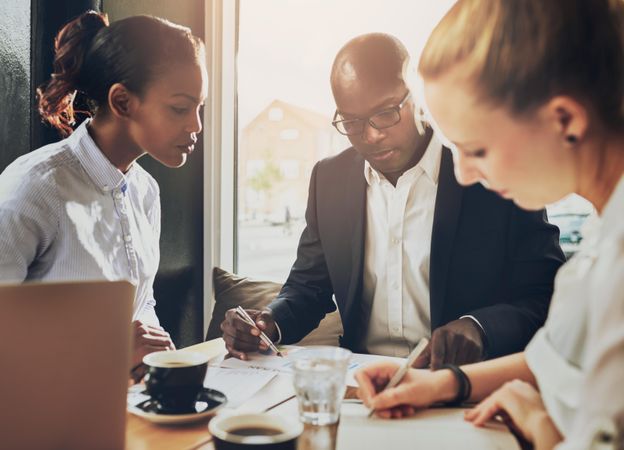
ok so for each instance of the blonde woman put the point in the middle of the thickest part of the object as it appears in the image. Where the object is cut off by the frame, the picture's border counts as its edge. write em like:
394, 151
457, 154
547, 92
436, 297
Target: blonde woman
530, 95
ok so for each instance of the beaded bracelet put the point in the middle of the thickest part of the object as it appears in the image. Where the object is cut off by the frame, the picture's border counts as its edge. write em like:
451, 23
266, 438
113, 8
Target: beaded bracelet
465, 387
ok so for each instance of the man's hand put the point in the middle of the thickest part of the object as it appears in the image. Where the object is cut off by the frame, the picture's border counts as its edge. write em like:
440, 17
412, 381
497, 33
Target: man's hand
458, 342
147, 339
242, 338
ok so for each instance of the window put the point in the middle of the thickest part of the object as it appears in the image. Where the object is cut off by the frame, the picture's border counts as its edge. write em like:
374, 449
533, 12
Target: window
289, 168
276, 114
254, 166
285, 107
570, 215
290, 134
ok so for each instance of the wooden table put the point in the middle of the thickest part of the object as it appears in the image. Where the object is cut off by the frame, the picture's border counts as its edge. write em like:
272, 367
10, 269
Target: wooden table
143, 435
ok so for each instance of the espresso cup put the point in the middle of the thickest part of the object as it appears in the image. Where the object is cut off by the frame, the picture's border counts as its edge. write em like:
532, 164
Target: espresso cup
255, 431
175, 379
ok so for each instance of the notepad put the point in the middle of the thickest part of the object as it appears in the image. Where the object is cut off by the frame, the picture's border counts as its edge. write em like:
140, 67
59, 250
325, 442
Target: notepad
439, 428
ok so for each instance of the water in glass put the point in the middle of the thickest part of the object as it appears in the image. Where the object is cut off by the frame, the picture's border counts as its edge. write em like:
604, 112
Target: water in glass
320, 384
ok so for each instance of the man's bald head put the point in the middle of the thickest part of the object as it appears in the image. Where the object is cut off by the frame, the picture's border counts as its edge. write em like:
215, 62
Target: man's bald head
372, 97
374, 59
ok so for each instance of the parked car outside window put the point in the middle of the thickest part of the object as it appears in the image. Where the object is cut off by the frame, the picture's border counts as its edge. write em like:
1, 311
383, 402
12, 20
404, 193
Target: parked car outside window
570, 234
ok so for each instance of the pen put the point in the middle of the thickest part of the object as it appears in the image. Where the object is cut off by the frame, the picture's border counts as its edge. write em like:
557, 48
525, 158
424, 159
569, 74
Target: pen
243, 314
399, 374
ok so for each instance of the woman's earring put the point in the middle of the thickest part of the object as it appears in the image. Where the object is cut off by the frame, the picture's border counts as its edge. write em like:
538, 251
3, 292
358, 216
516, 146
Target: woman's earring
572, 139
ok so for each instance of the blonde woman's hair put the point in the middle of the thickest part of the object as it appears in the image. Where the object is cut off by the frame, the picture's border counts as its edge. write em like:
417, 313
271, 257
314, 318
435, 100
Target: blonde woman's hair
521, 53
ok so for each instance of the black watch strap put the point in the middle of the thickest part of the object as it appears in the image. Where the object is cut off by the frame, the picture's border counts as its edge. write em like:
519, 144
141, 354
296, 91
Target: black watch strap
465, 387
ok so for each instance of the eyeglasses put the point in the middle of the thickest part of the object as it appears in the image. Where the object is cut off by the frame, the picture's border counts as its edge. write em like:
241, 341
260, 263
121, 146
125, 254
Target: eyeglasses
385, 118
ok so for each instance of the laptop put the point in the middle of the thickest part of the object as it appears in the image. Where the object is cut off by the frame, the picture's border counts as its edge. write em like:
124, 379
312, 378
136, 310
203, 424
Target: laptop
64, 364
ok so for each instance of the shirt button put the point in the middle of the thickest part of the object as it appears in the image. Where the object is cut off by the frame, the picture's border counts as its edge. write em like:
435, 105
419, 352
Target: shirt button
127, 238
118, 195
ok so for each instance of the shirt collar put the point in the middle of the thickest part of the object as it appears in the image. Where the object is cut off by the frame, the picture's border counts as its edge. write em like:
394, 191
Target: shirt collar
611, 214
429, 164
101, 171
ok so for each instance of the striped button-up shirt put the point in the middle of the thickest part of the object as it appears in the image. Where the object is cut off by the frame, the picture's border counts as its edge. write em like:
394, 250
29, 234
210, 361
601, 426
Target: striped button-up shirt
66, 213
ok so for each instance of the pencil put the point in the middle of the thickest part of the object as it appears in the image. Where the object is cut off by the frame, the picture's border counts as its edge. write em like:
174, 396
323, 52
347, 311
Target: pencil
243, 314
400, 374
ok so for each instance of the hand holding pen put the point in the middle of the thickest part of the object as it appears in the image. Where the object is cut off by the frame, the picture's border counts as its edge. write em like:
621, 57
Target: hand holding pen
393, 390
263, 337
242, 336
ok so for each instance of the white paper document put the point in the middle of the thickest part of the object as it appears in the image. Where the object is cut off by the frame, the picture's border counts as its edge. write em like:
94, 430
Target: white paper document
136, 394
239, 385
274, 392
284, 364
263, 361
359, 360
439, 428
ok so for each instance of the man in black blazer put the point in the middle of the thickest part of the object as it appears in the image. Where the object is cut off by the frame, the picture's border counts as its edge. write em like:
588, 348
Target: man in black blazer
405, 250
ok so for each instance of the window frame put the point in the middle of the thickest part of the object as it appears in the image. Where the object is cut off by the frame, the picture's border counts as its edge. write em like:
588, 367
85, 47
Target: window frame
221, 132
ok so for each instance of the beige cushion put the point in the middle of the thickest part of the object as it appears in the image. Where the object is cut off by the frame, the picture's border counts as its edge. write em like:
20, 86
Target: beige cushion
232, 290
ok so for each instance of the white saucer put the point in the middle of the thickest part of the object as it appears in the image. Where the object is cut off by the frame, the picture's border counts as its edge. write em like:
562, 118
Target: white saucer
208, 403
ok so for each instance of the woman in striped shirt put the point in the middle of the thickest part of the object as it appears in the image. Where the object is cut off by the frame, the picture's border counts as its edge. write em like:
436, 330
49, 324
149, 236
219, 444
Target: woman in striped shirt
82, 208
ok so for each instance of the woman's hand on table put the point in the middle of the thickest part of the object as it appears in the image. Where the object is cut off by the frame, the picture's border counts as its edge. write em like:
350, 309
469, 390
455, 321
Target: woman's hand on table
520, 404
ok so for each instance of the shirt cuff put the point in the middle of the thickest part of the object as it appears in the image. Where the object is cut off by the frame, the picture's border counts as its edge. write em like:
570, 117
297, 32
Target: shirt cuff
279, 334
485, 346
148, 315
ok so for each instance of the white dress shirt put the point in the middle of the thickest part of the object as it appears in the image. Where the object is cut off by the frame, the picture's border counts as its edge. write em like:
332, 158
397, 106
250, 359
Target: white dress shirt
399, 223
66, 213
578, 356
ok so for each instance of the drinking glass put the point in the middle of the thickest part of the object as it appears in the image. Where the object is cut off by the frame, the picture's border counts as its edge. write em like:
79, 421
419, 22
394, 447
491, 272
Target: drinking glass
319, 379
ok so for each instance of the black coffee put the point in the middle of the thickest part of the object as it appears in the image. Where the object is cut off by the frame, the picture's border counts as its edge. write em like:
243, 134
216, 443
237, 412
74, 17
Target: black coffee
255, 431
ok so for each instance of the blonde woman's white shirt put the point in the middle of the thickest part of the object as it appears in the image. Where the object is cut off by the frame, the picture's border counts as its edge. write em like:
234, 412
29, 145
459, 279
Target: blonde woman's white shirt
578, 356
68, 214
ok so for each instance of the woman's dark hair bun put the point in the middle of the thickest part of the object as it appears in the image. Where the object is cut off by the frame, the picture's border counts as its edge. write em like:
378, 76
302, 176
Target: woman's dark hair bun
56, 97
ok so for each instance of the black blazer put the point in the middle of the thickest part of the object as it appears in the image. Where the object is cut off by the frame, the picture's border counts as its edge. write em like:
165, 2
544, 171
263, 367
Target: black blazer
489, 259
